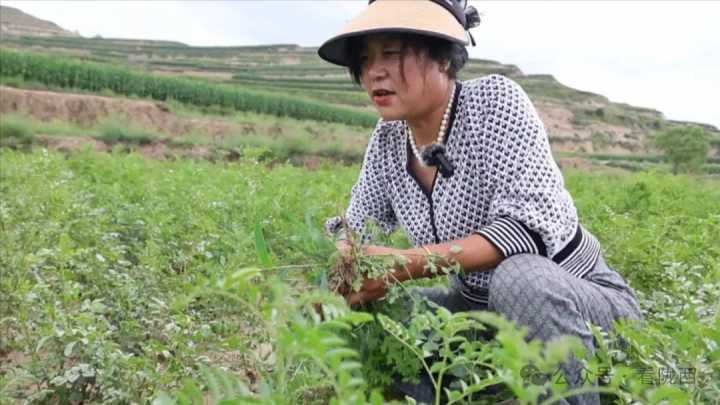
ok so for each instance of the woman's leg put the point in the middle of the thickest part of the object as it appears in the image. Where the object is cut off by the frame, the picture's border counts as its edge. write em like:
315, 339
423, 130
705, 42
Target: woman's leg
539, 295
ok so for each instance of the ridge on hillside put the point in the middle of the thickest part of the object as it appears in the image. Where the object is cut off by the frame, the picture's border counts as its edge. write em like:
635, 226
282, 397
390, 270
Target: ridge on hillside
14, 22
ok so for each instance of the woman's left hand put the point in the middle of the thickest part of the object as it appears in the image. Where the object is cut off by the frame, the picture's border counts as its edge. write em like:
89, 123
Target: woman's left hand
371, 289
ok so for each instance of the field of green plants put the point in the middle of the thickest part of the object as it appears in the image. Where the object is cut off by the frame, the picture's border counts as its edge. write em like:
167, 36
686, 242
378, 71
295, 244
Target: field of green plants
128, 280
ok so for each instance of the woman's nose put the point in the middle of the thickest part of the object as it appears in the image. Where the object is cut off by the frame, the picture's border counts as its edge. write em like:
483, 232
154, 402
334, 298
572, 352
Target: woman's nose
376, 69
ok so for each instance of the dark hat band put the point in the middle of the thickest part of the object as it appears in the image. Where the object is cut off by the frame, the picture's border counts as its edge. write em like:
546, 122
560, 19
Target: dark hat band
468, 17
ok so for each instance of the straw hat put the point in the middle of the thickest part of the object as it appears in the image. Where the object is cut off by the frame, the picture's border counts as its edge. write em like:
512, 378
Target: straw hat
447, 19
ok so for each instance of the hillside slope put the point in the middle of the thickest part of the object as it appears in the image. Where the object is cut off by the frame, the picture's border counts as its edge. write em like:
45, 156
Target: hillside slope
14, 22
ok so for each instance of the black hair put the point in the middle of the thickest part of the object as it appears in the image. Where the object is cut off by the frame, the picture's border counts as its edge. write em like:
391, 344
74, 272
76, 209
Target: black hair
437, 49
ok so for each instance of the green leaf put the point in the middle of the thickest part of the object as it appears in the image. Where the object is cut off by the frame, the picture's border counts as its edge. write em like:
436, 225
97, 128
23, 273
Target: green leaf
430, 346
357, 318
212, 382
69, 348
666, 392
163, 399
341, 352
261, 247
191, 393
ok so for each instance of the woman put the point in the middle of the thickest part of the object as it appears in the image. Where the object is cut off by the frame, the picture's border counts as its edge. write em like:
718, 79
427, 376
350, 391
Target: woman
468, 165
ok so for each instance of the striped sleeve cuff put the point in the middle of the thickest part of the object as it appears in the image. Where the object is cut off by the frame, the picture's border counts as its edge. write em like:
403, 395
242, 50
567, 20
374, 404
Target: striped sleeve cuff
334, 228
512, 237
579, 256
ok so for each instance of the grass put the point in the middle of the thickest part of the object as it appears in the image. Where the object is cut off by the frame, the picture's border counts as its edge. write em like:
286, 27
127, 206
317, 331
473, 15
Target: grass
114, 130
15, 132
257, 135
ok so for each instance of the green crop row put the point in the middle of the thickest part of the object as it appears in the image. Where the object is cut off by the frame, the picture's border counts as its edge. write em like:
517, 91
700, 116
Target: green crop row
280, 83
95, 77
344, 82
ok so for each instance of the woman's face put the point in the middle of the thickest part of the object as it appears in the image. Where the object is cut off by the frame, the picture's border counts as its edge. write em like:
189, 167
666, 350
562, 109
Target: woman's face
400, 91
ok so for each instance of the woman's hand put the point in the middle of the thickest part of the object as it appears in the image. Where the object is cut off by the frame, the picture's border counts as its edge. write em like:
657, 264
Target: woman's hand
473, 253
372, 289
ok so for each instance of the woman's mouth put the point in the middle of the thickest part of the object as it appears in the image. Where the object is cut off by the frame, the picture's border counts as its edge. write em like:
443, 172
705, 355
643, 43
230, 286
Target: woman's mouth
382, 97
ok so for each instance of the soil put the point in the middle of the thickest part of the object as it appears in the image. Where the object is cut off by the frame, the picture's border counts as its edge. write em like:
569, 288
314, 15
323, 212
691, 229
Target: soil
88, 110
343, 271
342, 275
194, 73
155, 150
586, 165
69, 144
567, 136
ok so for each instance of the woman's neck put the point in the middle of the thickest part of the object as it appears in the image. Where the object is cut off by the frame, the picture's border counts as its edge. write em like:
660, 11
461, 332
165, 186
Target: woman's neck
425, 126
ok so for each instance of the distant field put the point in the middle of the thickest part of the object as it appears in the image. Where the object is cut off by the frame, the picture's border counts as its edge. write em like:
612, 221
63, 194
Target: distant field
288, 80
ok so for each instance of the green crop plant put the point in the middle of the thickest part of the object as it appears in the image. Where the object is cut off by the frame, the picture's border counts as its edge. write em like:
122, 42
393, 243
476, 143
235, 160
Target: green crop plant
131, 280
95, 77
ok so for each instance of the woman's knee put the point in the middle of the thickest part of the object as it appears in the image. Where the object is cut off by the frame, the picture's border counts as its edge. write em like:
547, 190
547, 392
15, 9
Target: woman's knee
517, 273
520, 280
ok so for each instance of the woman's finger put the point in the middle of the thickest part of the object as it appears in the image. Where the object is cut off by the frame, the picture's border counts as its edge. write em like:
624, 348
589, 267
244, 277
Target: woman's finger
356, 299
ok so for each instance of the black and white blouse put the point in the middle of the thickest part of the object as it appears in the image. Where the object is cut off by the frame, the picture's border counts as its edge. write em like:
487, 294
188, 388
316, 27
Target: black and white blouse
506, 186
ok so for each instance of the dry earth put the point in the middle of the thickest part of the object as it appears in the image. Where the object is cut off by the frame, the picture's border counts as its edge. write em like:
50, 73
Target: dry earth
88, 110
566, 136
194, 73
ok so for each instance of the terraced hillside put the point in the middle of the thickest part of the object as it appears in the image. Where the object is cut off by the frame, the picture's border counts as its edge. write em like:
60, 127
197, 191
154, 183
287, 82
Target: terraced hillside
578, 122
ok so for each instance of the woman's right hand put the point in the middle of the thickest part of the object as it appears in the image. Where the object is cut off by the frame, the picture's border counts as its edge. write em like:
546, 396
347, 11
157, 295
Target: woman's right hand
343, 246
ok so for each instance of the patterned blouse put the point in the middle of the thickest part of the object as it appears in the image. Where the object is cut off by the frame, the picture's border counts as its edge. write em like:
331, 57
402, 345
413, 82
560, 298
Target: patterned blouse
506, 185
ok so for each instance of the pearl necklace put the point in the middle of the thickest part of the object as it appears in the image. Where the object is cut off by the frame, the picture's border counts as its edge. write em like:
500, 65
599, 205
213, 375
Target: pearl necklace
441, 132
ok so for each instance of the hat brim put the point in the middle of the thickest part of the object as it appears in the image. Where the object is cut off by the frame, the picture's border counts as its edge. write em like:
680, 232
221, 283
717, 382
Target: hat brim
394, 16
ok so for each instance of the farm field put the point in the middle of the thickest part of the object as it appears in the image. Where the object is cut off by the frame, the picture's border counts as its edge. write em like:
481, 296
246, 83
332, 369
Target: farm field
126, 280
290, 80
161, 238
279, 98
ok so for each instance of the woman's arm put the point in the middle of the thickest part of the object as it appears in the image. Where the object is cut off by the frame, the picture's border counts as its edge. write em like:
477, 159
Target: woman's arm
369, 198
475, 253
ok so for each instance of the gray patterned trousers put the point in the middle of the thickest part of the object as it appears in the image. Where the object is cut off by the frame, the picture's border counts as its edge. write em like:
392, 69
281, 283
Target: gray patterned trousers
536, 293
